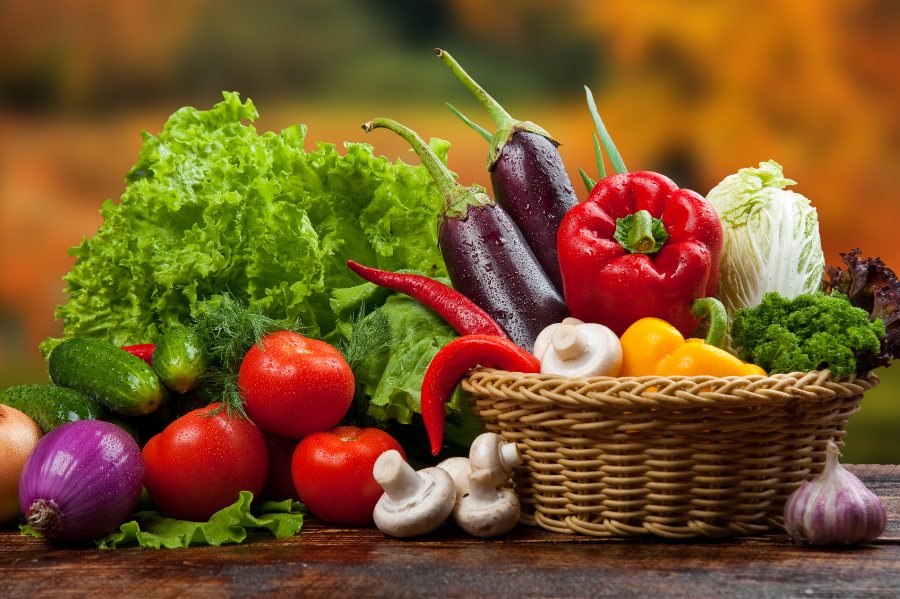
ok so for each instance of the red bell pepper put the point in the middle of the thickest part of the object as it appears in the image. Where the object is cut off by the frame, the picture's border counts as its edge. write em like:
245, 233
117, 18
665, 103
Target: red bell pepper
639, 246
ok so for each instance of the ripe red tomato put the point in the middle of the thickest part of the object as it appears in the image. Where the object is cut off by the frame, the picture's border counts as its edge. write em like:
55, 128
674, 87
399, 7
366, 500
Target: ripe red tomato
201, 462
332, 471
293, 386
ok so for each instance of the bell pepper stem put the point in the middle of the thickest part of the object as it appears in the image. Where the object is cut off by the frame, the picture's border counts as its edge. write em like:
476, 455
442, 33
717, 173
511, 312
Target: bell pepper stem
712, 309
640, 233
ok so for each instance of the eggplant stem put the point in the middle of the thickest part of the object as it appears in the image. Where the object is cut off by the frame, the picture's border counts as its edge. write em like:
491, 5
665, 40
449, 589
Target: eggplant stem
611, 151
481, 130
498, 114
441, 175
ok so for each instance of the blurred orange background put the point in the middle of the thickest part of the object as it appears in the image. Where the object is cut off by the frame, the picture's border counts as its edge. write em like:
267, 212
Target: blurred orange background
694, 89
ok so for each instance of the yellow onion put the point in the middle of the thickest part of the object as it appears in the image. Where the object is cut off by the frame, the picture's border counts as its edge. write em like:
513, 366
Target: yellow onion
19, 435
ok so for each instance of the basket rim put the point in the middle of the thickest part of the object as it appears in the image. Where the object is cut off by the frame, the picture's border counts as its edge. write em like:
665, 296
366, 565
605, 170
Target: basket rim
663, 391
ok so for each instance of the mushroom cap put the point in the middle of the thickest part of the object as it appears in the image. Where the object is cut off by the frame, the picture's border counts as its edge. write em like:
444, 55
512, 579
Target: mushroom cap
587, 349
459, 468
490, 451
486, 512
421, 512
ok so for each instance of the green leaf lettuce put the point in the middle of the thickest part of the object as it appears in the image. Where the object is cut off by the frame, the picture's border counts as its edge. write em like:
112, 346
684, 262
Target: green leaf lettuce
212, 206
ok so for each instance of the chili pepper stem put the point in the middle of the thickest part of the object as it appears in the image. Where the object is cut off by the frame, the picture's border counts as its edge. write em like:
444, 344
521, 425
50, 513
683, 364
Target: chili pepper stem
714, 311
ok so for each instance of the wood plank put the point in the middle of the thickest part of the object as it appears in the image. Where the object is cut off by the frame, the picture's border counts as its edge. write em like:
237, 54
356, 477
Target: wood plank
331, 561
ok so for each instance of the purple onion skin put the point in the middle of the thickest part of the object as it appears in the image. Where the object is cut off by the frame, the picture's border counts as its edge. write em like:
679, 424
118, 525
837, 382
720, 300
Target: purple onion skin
81, 481
490, 262
531, 183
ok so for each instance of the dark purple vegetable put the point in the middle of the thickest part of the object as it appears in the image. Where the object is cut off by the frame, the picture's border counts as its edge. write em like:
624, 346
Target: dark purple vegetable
527, 173
81, 481
487, 257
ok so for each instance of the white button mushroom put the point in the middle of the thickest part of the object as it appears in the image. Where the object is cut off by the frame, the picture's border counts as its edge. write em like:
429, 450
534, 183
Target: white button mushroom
459, 469
414, 503
586, 349
486, 511
542, 341
490, 452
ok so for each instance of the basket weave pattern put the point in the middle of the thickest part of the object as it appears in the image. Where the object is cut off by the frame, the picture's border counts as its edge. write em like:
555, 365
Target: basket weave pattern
673, 457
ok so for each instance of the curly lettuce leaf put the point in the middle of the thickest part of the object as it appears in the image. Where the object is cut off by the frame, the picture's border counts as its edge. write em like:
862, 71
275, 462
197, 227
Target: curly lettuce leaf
391, 375
154, 530
213, 206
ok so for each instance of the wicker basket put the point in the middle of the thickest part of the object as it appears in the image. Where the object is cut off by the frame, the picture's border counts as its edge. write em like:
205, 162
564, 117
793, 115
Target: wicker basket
673, 457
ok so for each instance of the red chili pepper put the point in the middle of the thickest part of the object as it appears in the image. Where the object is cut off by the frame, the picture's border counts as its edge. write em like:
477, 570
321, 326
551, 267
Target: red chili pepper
456, 358
144, 351
639, 246
460, 312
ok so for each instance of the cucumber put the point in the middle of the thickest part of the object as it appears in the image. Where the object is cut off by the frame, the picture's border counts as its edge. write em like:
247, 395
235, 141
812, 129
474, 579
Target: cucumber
117, 379
180, 359
50, 406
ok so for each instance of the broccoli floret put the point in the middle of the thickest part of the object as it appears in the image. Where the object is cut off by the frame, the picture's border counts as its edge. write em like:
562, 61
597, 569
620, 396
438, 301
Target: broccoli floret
809, 332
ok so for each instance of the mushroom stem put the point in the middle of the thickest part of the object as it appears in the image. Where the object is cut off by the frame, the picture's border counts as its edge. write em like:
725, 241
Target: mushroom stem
509, 456
398, 479
490, 452
568, 342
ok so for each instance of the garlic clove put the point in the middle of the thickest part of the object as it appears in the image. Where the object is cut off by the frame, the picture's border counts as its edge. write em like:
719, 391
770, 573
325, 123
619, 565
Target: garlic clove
835, 508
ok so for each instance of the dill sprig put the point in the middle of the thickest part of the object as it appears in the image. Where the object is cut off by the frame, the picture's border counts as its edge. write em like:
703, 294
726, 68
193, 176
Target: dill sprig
369, 335
228, 328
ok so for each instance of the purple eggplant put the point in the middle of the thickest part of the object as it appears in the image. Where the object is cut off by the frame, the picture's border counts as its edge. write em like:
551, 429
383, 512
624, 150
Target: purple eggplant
487, 257
527, 173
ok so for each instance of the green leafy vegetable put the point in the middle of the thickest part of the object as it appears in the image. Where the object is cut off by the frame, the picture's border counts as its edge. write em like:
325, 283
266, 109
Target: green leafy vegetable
808, 332
871, 285
153, 530
214, 207
770, 238
391, 375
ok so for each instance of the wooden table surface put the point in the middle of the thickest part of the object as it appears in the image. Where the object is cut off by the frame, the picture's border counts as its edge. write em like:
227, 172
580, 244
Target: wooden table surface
323, 561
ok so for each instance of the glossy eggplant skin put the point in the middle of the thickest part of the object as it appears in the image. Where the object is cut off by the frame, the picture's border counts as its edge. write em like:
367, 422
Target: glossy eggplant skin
489, 261
531, 183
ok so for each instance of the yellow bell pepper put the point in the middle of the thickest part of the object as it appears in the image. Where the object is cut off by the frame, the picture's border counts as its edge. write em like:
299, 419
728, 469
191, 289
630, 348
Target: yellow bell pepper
651, 346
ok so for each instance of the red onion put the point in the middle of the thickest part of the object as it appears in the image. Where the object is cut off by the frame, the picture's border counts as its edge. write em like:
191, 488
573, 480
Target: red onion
81, 481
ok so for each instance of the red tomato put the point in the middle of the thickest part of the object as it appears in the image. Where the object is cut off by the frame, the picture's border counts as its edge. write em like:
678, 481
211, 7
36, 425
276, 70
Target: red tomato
201, 462
279, 482
293, 386
333, 473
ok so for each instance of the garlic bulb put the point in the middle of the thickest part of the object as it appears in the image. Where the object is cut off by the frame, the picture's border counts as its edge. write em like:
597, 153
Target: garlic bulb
835, 508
